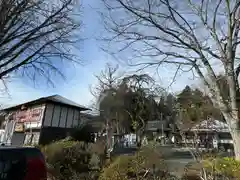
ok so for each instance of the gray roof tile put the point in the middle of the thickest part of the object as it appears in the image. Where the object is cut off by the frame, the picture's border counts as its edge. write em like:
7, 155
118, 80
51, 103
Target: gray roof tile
54, 98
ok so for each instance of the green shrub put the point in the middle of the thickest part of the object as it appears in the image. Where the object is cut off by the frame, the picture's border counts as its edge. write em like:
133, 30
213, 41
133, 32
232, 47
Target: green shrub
68, 159
225, 167
136, 166
118, 169
98, 150
51, 150
152, 156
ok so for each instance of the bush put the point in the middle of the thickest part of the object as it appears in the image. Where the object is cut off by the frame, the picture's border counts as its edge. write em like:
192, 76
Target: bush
224, 167
51, 150
144, 164
191, 177
98, 150
68, 159
118, 169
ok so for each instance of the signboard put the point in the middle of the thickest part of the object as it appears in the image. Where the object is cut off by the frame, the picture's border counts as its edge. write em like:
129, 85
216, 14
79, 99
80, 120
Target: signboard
19, 127
29, 115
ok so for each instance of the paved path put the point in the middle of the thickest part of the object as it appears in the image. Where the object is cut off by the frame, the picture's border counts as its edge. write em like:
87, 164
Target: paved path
121, 151
176, 159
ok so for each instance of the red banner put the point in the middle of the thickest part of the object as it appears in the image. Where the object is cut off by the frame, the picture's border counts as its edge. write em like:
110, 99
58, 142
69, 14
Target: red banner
30, 115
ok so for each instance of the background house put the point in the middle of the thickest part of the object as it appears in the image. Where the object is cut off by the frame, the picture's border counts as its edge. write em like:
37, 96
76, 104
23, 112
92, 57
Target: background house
41, 121
209, 133
158, 127
95, 123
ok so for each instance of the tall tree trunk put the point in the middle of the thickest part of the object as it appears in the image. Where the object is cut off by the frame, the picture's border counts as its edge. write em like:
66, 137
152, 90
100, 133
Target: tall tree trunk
233, 124
117, 129
233, 119
236, 143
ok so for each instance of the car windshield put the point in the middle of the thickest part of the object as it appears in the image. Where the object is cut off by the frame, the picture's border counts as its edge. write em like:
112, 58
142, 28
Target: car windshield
12, 165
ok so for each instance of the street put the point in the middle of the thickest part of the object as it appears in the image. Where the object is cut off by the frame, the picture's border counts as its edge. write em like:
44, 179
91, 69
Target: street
176, 159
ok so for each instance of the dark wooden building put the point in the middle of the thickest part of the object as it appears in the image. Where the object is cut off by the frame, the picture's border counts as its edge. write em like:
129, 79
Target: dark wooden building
41, 121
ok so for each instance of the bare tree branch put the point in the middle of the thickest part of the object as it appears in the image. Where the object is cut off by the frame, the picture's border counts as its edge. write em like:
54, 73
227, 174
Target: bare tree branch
186, 33
32, 32
108, 80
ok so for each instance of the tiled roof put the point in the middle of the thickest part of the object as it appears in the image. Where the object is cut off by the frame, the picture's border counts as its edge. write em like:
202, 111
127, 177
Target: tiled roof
54, 98
63, 100
211, 125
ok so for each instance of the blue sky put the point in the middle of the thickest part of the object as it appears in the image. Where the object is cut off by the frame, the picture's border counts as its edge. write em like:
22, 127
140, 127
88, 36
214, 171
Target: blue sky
79, 77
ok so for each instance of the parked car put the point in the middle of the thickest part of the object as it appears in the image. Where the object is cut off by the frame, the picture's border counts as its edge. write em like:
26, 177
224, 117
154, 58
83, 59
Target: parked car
22, 163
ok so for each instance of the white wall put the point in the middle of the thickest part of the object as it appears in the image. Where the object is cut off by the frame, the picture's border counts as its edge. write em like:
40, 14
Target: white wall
61, 116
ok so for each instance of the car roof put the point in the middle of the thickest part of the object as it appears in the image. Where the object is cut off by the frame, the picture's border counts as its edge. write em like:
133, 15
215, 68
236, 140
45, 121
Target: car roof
22, 149
15, 147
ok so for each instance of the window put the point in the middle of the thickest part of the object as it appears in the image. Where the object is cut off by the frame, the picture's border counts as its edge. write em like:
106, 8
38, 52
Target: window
27, 138
31, 138
224, 136
35, 138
